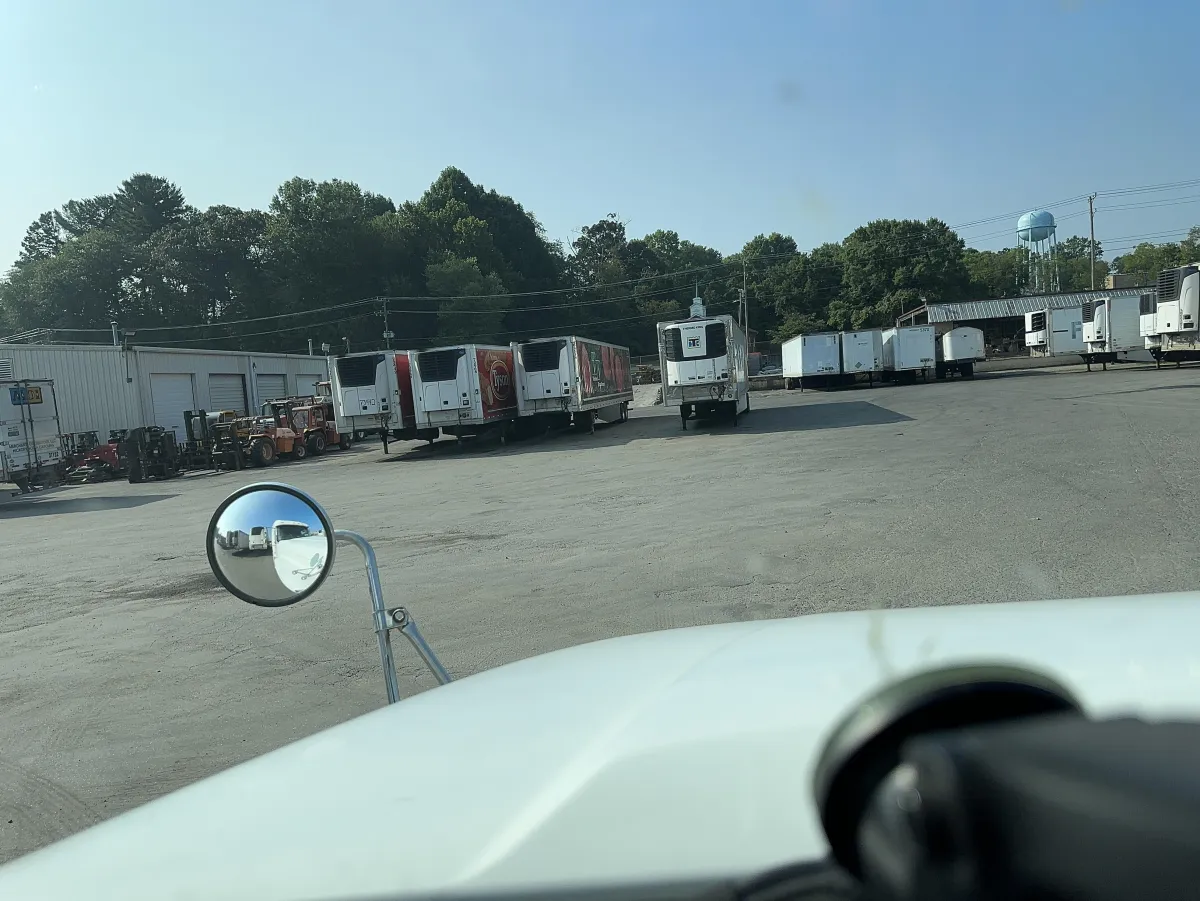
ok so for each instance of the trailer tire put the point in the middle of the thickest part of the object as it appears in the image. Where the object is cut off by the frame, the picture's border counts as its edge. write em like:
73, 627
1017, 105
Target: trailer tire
316, 444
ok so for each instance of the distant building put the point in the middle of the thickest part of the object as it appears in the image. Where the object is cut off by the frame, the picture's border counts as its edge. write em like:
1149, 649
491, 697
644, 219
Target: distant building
1120, 281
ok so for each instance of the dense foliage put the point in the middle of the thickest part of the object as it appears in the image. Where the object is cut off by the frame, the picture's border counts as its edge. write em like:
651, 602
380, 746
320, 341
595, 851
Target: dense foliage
336, 264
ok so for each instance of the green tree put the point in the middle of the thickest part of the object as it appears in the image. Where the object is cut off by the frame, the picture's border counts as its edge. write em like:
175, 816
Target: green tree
475, 312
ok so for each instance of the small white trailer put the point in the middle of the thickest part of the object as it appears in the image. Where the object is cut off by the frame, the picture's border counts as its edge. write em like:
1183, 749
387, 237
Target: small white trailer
812, 359
958, 350
704, 365
862, 352
1054, 333
31, 452
572, 379
907, 351
1112, 331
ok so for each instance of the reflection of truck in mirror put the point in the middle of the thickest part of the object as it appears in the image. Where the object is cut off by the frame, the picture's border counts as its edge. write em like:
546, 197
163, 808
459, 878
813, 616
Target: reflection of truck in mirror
703, 360
259, 539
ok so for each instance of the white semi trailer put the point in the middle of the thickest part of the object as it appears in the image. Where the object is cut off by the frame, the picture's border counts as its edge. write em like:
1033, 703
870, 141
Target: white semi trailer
907, 351
1177, 315
1112, 331
703, 360
958, 350
1054, 333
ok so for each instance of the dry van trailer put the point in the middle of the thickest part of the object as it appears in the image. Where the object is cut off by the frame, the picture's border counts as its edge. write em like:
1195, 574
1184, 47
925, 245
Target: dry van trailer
31, 445
908, 350
703, 361
862, 353
812, 360
572, 380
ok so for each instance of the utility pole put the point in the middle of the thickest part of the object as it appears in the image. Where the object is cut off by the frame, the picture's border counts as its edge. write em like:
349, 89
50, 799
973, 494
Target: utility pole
387, 332
745, 301
1092, 242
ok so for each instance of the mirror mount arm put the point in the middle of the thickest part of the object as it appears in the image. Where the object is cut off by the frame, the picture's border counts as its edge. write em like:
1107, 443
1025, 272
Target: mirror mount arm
386, 620
401, 619
382, 627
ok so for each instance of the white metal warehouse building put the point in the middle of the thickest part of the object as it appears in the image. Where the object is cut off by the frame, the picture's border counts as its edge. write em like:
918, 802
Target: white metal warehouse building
101, 388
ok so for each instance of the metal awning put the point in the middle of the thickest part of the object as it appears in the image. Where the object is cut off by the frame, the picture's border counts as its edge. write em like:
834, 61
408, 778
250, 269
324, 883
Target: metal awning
975, 310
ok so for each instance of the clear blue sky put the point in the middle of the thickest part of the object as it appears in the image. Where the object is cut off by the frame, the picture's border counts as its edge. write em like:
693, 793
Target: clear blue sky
718, 120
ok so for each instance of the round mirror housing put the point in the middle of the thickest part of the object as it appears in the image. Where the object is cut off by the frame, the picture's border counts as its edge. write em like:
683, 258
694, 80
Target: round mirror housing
270, 544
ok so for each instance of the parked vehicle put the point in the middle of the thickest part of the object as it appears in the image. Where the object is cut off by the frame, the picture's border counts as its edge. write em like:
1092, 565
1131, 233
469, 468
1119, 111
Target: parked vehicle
1112, 331
313, 421
811, 360
572, 380
703, 365
372, 394
464, 390
862, 353
1054, 333
31, 446
1148, 322
259, 539
958, 350
908, 351
1177, 315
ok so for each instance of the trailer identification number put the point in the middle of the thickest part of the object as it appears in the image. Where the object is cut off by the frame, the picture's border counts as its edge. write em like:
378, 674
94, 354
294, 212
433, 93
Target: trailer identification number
20, 395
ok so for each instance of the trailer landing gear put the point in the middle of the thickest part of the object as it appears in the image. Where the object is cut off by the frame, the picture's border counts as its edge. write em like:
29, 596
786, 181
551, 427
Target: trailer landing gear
685, 412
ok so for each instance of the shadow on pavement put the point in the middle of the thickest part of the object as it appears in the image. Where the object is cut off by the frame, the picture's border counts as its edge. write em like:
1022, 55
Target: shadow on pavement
20, 507
767, 420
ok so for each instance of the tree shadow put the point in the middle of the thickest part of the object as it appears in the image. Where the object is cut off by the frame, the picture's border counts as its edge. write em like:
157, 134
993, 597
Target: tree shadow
22, 507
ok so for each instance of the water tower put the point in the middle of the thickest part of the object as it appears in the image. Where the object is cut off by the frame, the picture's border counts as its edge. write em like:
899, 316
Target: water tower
1035, 234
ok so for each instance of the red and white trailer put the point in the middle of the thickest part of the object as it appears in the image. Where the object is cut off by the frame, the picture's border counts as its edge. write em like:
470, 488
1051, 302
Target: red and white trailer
572, 380
373, 394
464, 390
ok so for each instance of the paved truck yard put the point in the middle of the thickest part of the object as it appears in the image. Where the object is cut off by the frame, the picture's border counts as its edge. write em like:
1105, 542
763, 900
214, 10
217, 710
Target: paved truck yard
126, 672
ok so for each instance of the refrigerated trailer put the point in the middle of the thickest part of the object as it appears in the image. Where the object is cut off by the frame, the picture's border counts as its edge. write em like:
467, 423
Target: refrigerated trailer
1112, 331
1054, 333
572, 380
465, 390
373, 395
907, 351
704, 366
31, 447
1177, 315
812, 360
1148, 322
958, 350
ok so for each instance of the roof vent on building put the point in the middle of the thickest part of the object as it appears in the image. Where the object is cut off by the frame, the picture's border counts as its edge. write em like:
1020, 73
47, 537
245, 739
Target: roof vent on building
6, 369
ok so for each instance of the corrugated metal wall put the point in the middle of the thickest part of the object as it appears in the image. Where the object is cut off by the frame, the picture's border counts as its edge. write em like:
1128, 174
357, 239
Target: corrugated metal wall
104, 388
95, 389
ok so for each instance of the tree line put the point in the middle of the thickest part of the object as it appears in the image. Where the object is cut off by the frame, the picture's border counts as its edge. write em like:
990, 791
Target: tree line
335, 264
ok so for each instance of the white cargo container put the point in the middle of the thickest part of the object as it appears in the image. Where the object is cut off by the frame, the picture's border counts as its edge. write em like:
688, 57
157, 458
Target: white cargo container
862, 352
703, 361
909, 350
816, 358
373, 395
31, 451
1054, 333
1112, 331
575, 379
466, 389
958, 350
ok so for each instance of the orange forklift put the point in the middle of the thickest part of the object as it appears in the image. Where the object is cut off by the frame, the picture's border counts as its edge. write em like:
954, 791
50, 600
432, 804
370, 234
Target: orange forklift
311, 418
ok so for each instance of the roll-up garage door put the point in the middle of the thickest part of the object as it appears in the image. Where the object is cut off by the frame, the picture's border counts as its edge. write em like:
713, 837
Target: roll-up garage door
227, 392
171, 394
271, 387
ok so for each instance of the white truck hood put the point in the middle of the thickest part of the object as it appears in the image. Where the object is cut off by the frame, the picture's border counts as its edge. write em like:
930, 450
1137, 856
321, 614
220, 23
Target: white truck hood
678, 754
